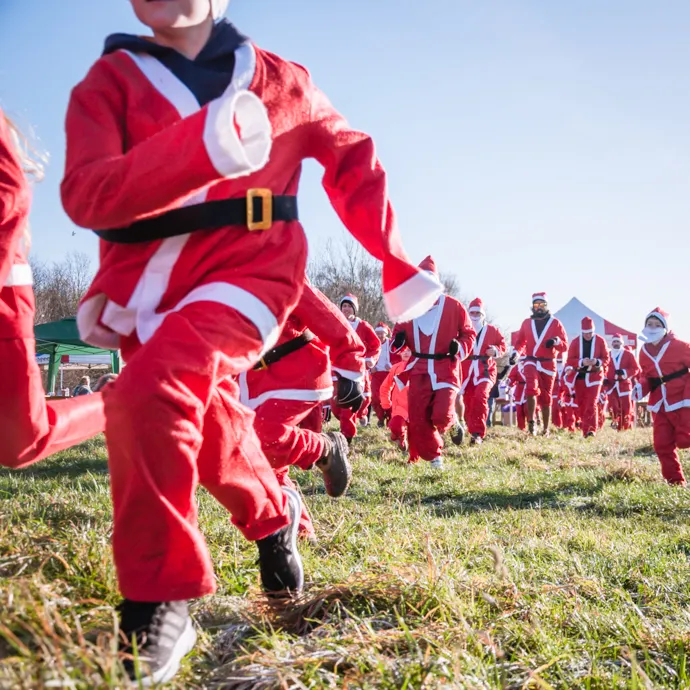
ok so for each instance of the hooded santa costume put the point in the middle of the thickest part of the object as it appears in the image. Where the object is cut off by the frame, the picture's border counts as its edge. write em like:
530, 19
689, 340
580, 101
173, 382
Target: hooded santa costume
623, 370
665, 377
202, 260
385, 361
291, 380
541, 340
439, 340
30, 428
372, 347
479, 371
395, 398
589, 358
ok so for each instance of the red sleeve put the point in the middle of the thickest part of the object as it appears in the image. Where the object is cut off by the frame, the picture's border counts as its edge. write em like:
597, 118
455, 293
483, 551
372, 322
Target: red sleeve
14, 200
372, 344
327, 323
499, 342
521, 341
109, 184
466, 334
574, 355
386, 390
603, 355
632, 369
562, 347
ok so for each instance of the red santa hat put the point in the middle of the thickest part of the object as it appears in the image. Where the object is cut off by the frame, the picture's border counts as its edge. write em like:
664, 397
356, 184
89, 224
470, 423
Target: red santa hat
380, 326
429, 265
658, 313
539, 297
218, 8
476, 305
352, 300
587, 325
617, 338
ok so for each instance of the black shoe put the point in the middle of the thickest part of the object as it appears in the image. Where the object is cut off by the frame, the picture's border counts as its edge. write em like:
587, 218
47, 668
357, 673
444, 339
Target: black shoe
476, 440
281, 568
382, 423
531, 430
163, 635
589, 434
335, 466
458, 435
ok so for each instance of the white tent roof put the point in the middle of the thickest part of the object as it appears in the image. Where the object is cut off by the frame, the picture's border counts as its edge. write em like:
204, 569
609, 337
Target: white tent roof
571, 316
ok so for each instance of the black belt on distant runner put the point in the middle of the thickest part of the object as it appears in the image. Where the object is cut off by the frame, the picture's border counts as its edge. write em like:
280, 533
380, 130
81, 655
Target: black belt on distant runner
441, 355
480, 358
258, 210
530, 358
283, 350
655, 382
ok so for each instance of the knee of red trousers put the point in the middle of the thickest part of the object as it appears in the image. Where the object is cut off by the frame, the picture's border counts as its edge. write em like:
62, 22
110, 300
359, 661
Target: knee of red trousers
348, 422
443, 409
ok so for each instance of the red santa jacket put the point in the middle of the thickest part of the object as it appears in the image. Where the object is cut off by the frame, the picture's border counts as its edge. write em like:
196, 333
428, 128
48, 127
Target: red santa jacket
668, 357
386, 358
431, 334
16, 294
306, 373
600, 352
479, 367
622, 360
142, 142
395, 391
532, 345
372, 344
518, 383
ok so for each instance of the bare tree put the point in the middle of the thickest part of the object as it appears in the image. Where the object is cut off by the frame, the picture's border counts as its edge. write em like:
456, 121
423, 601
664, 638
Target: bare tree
59, 286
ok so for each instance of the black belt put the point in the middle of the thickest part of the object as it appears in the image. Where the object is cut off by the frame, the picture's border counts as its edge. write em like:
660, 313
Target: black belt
655, 382
480, 358
258, 210
530, 358
442, 355
283, 350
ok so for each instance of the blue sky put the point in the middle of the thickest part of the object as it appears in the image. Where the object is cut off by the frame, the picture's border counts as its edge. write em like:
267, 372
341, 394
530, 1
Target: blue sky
531, 144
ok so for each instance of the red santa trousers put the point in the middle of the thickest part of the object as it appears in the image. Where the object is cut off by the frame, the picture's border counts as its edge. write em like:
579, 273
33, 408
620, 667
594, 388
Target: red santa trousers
556, 414
347, 419
364, 410
671, 432
173, 421
621, 409
306, 526
314, 420
539, 385
432, 413
476, 399
587, 402
377, 379
284, 442
570, 418
398, 428
521, 414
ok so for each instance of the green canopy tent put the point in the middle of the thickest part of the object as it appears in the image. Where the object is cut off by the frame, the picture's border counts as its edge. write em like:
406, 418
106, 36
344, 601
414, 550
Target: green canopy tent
59, 338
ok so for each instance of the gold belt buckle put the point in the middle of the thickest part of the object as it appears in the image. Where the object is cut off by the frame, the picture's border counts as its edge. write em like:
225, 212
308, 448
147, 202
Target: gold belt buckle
266, 196
261, 365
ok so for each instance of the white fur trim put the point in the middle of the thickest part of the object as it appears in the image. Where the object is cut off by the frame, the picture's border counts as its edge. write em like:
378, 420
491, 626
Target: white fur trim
659, 316
90, 330
556, 340
355, 376
587, 331
413, 298
20, 274
305, 394
232, 155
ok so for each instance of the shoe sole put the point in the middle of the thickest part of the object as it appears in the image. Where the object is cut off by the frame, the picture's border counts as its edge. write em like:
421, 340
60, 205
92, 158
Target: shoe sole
344, 471
296, 509
183, 646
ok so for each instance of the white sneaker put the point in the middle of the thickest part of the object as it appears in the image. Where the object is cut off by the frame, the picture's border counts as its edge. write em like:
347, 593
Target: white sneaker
437, 463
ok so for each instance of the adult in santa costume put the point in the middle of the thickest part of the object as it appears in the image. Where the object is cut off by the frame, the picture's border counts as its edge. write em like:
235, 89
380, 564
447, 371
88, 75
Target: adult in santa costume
439, 340
395, 398
289, 383
30, 428
349, 305
623, 370
202, 180
541, 339
479, 373
588, 355
380, 370
665, 377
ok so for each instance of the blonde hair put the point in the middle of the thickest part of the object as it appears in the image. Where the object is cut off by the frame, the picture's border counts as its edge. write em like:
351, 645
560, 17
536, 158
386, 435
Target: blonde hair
33, 161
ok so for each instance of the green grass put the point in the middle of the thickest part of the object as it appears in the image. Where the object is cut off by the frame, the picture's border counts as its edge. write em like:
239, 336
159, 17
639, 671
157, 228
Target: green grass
528, 563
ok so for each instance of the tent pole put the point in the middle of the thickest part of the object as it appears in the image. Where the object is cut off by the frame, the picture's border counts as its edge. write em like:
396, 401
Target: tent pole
52, 372
115, 361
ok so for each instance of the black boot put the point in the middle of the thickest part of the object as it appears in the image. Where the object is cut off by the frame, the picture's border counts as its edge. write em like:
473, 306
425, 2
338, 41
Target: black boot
335, 466
458, 434
281, 568
155, 636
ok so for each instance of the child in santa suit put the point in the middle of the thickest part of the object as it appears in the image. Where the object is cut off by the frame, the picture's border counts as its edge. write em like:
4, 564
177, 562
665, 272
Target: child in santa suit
289, 383
541, 339
395, 398
569, 409
30, 428
518, 387
665, 377
588, 355
184, 152
623, 370
380, 370
349, 305
439, 340
479, 373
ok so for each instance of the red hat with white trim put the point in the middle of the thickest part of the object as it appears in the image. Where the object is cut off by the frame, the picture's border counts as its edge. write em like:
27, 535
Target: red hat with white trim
380, 326
617, 338
429, 265
352, 300
587, 325
477, 305
539, 297
659, 313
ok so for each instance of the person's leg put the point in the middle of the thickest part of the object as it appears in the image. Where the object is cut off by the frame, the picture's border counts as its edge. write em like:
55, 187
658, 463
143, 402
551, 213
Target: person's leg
377, 379
666, 447
546, 384
521, 413
531, 391
425, 441
625, 412
306, 526
476, 423
347, 419
166, 404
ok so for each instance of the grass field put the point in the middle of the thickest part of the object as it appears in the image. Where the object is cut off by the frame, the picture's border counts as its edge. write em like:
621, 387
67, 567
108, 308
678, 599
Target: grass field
528, 563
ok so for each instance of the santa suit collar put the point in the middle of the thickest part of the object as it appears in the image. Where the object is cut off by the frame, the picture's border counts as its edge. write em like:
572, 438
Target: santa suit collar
354, 324
428, 323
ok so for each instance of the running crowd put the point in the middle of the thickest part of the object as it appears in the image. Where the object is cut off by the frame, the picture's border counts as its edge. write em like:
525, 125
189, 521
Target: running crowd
184, 152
